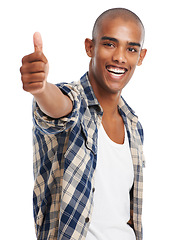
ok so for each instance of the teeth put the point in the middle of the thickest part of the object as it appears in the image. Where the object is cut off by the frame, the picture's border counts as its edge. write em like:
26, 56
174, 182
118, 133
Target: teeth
116, 70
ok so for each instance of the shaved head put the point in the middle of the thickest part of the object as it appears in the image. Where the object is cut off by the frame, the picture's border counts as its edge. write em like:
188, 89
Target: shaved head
113, 13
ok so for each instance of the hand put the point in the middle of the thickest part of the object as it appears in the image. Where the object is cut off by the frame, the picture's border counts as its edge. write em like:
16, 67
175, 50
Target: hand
34, 69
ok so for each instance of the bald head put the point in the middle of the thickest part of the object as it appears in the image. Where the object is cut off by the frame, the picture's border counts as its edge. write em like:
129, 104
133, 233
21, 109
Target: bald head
113, 13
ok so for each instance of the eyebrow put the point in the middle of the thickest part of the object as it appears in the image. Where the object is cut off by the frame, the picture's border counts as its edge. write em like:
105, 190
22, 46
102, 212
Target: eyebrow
116, 40
109, 38
134, 44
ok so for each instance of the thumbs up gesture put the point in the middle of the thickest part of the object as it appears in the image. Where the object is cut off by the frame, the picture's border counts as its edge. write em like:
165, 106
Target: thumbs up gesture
34, 69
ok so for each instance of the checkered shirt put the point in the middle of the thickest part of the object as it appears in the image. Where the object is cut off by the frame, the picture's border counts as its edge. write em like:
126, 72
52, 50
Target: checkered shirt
65, 158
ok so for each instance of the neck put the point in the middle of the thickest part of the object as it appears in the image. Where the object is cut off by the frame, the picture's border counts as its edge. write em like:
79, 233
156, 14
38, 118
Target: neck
108, 100
109, 104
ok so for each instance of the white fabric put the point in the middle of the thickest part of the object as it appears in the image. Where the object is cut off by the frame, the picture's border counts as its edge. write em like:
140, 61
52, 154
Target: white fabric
113, 181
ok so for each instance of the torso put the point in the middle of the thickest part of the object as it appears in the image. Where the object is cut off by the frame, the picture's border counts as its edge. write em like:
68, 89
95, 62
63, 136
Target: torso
113, 181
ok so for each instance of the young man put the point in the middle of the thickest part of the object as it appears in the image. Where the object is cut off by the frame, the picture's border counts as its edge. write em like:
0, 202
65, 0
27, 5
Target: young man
88, 155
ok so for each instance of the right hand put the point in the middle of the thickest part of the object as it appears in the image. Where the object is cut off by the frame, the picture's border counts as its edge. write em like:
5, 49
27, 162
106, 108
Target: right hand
34, 69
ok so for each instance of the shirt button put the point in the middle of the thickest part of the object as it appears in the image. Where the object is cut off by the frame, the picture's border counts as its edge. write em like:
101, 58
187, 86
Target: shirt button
93, 190
87, 219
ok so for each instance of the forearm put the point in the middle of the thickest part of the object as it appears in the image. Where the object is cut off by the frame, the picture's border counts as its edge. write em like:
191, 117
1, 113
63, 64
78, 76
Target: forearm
53, 102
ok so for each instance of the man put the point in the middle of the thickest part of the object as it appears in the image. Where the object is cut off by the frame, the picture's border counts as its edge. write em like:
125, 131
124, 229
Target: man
88, 155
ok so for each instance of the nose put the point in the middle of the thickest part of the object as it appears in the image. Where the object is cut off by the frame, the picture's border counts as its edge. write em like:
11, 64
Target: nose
119, 55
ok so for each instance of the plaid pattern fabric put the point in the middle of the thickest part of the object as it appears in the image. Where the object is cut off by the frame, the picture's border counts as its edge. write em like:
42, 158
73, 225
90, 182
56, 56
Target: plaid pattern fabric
65, 156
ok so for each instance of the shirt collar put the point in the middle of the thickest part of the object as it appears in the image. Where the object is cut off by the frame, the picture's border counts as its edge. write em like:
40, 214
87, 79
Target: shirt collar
91, 98
126, 110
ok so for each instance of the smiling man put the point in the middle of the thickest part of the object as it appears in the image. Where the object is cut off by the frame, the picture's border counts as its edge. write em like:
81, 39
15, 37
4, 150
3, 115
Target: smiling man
88, 156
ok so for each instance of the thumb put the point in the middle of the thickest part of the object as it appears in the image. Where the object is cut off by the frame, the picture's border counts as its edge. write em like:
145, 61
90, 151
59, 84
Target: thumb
38, 44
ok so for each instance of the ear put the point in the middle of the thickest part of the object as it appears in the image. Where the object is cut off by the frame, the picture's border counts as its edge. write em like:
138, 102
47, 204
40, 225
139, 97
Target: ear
142, 56
89, 46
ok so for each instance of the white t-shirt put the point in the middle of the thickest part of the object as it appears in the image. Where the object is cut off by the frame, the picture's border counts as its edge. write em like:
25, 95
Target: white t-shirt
113, 181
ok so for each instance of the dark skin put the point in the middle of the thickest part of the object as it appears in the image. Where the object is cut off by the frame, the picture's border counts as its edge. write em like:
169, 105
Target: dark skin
34, 72
114, 56
115, 53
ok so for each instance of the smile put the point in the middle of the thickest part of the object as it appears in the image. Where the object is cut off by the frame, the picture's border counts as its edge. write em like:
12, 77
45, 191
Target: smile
116, 70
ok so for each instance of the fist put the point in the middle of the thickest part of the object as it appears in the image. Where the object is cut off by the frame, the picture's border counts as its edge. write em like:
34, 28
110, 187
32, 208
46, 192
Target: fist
34, 69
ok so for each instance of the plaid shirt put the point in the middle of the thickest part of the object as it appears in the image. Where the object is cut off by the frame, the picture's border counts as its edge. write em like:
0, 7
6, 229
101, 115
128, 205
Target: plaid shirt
65, 157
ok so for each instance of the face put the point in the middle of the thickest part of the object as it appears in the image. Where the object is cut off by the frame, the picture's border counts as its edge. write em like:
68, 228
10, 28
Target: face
115, 53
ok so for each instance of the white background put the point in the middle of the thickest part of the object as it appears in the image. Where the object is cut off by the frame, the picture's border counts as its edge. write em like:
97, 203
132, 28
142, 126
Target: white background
160, 92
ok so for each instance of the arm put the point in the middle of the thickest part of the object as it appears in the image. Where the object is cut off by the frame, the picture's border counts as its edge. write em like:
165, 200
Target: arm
34, 72
53, 102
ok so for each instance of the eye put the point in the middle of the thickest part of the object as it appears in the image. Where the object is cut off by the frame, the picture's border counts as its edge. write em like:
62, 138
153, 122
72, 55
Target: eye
131, 49
110, 45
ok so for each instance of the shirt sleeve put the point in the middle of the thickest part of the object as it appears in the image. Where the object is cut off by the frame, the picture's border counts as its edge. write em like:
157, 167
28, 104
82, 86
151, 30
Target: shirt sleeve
49, 125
